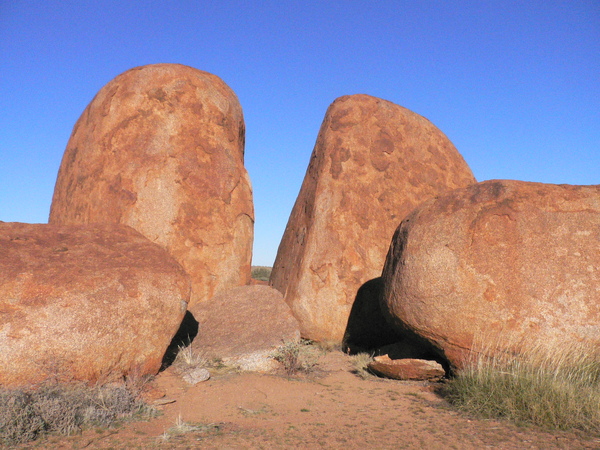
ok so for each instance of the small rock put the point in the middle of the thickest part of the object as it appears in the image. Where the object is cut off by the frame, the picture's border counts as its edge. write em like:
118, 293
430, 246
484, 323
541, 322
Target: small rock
196, 376
407, 369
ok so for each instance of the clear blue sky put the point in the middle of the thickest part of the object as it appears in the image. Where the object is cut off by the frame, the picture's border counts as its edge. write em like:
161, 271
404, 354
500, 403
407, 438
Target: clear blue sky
515, 85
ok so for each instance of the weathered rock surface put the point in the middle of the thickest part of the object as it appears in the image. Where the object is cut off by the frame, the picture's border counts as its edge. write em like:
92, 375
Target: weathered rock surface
243, 326
161, 149
407, 369
87, 303
373, 162
499, 266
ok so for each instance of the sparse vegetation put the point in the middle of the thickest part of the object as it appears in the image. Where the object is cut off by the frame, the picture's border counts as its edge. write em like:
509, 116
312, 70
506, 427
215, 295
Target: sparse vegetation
65, 409
296, 357
360, 361
182, 427
557, 392
188, 359
261, 273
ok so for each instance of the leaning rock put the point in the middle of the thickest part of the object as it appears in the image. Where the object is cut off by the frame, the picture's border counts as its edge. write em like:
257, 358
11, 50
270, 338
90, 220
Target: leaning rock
89, 303
407, 369
161, 149
244, 326
500, 266
373, 162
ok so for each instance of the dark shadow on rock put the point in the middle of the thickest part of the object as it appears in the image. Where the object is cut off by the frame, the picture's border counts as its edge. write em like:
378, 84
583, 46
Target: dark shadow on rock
188, 330
371, 330
367, 327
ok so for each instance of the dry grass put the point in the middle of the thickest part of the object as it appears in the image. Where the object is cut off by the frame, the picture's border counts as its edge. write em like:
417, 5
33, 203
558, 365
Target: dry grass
558, 391
182, 427
65, 409
360, 361
297, 357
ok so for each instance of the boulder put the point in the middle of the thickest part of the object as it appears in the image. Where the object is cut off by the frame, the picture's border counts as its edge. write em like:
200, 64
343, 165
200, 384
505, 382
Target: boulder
161, 149
500, 266
90, 303
244, 326
407, 369
373, 162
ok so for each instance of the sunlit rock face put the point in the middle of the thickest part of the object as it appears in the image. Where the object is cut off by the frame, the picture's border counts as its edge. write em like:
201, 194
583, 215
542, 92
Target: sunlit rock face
373, 162
88, 303
161, 149
500, 266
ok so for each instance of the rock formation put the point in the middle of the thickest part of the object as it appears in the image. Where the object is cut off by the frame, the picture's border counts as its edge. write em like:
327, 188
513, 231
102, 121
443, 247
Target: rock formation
244, 326
89, 303
373, 162
499, 266
407, 369
161, 149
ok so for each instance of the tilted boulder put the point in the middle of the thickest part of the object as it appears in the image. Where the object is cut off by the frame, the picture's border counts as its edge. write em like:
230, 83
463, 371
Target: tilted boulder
373, 162
161, 149
90, 303
243, 327
500, 266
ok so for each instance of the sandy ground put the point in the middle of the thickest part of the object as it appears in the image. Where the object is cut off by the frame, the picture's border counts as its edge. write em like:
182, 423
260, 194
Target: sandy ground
331, 408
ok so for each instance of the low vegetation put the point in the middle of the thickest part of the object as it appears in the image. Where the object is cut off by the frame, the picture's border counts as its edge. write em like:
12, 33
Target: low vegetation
557, 392
65, 409
360, 362
261, 273
297, 357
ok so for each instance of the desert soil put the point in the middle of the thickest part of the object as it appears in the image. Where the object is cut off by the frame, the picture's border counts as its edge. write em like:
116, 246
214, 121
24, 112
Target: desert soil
330, 408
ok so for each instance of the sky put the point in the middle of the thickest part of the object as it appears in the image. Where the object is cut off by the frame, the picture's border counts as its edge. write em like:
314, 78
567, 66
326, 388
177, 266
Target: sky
515, 85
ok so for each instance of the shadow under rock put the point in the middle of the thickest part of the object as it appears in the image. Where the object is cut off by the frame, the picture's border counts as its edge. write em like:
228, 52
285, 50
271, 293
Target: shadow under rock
186, 333
371, 330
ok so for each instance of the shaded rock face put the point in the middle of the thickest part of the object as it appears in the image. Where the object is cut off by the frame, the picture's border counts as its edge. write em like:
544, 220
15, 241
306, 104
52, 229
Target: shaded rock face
243, 326
367, 327
373, 162
89, 303
499, 266
161, 149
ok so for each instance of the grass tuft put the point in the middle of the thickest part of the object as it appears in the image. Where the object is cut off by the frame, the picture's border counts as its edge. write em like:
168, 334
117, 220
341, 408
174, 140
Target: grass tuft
360, 362
558, 391
296, 357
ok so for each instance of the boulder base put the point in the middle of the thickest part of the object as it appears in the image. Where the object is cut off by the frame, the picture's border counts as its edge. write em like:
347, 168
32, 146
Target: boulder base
90, 303
243, 326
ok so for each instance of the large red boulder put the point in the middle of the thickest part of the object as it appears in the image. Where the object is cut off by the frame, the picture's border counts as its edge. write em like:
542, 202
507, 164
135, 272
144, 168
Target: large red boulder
89, 303
499, 266
161, 149
373, 162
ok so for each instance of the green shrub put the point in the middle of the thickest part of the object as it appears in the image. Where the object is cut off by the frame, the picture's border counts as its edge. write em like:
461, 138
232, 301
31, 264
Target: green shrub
261, 273
560, 391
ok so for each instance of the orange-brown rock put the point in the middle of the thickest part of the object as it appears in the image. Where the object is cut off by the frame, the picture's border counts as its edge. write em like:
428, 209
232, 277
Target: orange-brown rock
243, 327
373, 162
499, 266
407, 369
161, 149
89, 303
